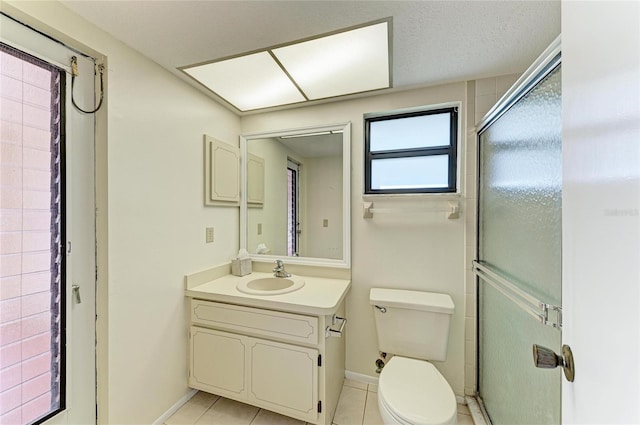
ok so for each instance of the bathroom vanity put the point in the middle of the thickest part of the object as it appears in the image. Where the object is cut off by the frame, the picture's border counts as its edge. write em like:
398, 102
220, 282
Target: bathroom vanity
277, 350
276, 342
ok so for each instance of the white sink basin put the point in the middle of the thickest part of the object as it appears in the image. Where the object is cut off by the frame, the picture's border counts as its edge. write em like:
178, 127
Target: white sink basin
270, 285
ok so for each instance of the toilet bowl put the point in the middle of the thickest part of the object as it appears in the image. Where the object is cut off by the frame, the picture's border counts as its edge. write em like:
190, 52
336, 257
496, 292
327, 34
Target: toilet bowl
413, 325
413, 392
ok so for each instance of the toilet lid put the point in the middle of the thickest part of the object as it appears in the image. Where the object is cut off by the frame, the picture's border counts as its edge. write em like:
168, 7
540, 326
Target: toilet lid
415, 392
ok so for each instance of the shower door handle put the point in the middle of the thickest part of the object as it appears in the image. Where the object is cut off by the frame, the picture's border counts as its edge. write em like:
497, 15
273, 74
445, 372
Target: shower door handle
546, 358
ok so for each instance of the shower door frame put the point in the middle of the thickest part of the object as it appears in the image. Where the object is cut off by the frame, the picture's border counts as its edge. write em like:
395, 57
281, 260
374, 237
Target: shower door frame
544, 65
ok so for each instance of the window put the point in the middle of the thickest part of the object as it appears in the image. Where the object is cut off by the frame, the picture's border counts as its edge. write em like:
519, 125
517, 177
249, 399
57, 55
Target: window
412, 152
32, 263
293, 211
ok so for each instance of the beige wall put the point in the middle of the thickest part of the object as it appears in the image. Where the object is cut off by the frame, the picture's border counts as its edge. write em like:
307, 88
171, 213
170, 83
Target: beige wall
393, 251
324, 202
272, 214
152, 189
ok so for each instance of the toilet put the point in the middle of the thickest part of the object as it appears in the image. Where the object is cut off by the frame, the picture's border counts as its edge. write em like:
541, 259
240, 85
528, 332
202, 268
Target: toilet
414, 327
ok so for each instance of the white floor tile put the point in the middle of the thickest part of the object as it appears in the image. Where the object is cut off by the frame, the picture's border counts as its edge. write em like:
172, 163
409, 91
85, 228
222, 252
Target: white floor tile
228, 412
266, 417
356, 406
465, 420
371, 412
193, 409
350, 410
463, 410
355, 384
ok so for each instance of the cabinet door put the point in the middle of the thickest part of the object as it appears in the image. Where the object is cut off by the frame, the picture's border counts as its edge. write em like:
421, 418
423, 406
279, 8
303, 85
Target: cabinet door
222, 173
218, 362
284, 378
255, 180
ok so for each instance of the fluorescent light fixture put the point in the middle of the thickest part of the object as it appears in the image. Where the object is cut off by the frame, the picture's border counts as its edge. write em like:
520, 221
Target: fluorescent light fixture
338, 64
248, 82
348, 62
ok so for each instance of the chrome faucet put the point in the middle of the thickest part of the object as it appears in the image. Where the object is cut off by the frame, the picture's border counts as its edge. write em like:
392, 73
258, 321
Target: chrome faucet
279, 271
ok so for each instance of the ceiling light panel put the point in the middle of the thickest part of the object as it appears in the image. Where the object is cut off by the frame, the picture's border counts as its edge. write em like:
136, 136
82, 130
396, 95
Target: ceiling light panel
248, 82
349, 62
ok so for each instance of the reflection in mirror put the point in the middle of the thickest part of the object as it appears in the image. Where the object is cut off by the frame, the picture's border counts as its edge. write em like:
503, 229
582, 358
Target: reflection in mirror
296, 202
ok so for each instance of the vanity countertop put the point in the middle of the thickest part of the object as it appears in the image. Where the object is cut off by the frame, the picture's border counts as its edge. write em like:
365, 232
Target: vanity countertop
318, 296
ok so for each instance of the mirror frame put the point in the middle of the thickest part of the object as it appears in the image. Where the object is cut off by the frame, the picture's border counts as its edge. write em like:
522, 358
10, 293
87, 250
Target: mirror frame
345, 262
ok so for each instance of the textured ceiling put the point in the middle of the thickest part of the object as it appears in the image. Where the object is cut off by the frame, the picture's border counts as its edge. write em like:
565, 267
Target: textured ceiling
433, 41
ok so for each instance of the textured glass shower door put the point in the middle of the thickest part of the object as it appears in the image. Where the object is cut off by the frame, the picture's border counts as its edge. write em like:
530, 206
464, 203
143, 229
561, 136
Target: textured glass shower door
519, 244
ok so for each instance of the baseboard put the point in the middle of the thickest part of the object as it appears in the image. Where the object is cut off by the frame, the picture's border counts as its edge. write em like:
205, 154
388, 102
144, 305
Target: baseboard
360, 377
173, 409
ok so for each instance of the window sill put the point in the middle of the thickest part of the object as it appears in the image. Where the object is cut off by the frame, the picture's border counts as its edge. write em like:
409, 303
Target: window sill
413, 196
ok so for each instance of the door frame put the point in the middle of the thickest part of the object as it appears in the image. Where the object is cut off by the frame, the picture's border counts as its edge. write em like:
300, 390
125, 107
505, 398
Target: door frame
26, 13
546, 63
294, 167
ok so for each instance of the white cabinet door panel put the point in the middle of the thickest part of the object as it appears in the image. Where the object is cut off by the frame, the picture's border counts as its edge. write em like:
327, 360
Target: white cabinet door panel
218, 362
255, 180
284, 378
221, 173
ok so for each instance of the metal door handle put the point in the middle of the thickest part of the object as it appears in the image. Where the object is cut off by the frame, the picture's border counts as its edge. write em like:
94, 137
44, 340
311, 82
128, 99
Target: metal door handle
546, 358
75, 291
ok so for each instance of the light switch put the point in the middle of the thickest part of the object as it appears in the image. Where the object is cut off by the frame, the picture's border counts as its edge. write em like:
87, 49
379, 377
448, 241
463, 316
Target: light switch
209, 234
325, 222
259, 228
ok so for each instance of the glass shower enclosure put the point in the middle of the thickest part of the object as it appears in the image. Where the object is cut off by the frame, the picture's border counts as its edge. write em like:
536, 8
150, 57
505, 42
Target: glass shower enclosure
519, 250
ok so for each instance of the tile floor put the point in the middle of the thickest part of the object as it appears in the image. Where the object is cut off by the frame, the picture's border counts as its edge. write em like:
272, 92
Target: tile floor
357, 406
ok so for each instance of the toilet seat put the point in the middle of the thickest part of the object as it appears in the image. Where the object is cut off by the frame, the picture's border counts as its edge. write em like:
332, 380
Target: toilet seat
414, 392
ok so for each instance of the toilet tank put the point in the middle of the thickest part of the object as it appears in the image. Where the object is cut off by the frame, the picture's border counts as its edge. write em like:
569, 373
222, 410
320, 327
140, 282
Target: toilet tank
412, 323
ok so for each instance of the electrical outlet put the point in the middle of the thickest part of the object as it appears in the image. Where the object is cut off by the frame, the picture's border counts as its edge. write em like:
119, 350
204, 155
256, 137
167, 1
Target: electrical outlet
209, 234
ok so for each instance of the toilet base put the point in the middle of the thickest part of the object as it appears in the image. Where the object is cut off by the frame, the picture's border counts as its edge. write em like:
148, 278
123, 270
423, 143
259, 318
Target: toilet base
389, 418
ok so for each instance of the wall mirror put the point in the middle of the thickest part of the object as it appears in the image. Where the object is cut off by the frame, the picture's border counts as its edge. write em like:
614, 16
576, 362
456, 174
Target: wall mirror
295, 202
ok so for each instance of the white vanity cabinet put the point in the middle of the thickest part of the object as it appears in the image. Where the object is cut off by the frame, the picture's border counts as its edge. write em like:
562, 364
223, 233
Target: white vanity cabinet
272, 359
